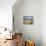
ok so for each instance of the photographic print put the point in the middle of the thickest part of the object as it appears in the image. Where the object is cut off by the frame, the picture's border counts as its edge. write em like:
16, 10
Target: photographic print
28, 20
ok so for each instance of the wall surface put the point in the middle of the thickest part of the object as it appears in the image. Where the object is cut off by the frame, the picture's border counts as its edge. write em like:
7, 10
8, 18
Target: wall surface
29, 8
43, 22
6, 13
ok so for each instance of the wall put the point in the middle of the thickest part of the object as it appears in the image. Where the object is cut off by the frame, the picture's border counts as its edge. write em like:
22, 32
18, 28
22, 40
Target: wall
29, 8
43, 22
6, 13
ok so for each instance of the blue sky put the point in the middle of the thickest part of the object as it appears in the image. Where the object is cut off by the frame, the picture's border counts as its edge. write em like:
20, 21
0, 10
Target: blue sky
27, 17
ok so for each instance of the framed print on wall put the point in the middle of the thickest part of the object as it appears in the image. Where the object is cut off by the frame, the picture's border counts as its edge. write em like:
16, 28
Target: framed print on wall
28, 20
